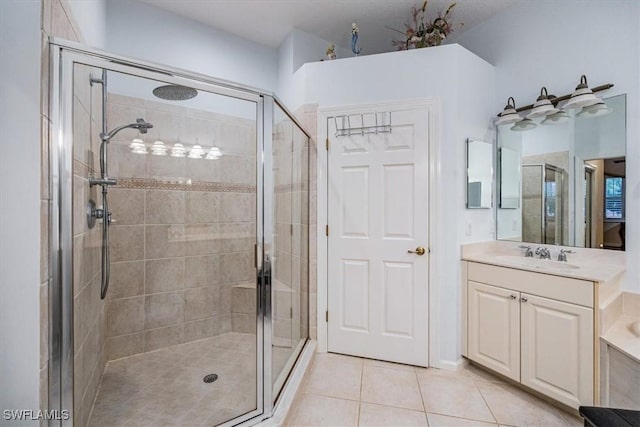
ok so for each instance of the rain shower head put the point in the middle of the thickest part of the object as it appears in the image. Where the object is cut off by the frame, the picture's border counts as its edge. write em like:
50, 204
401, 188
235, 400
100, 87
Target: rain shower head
141, 125
175, 92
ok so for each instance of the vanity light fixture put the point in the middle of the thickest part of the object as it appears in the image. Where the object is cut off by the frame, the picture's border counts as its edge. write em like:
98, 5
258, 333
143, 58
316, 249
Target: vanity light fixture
159, 149
582, 96
543, 106
214, 154
523, 125
196, 152
509, 115
178, 150
598, 109
137, 146
556, 118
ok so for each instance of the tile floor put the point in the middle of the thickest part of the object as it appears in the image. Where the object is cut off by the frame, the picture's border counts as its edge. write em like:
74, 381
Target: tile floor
343, 391
166, 387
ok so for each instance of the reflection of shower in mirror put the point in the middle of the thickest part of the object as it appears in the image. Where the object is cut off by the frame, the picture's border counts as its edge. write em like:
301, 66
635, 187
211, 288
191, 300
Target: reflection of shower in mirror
571, 176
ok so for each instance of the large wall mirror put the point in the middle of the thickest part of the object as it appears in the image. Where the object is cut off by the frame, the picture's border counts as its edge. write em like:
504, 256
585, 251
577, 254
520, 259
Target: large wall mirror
479, 174
569, 182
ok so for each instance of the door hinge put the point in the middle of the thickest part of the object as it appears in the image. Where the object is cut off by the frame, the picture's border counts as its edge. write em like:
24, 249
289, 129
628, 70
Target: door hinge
290, 312
291, 230
327, 143
326, 230
326, 316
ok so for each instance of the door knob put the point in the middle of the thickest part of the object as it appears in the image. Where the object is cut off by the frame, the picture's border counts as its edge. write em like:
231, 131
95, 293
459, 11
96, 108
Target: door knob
419, 250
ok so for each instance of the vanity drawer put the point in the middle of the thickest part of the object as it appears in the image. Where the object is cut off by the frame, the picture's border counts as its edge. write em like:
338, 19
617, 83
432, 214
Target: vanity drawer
566, 289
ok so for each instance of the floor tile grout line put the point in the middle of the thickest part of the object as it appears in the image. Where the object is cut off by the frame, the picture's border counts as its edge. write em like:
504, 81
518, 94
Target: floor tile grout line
361, 378
332, 397
466, 418
404, 408
415, 373
395, 407
486, 403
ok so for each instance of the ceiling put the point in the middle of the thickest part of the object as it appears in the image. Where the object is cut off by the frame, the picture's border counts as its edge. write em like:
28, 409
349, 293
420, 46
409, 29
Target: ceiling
269, 21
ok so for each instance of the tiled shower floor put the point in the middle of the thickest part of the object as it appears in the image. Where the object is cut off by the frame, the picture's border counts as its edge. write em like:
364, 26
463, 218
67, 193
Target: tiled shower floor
166, 387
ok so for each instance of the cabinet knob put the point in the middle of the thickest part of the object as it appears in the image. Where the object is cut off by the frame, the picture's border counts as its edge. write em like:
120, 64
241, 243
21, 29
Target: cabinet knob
524, 299
513, 297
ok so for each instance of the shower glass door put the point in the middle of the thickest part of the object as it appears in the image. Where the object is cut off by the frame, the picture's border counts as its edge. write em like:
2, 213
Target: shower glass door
553, 205
178, 338
290, 249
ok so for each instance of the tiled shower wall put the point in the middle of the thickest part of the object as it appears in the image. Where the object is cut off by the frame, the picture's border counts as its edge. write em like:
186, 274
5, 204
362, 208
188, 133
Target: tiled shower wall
89, 312
89, 315
184, 229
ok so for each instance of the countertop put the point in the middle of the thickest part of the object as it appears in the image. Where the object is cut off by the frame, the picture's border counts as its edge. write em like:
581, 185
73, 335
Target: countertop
595, 265
620, 336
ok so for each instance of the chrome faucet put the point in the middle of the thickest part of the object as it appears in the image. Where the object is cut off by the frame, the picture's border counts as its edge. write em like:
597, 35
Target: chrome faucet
527, 251
562, 255
543, 253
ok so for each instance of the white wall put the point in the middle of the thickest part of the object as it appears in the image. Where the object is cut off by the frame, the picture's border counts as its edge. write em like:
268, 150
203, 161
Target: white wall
142, 31
297, 49
467, 108
90, 17
310, 48
603, 137
19, 205
535, 44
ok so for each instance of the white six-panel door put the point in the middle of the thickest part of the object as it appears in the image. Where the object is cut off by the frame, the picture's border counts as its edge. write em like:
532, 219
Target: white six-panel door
378, 192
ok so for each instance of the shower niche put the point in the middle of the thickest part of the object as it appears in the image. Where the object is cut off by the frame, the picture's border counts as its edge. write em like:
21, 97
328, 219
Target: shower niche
187, 302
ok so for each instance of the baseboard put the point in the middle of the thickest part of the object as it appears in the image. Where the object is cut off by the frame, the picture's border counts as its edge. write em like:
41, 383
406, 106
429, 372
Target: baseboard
449, 364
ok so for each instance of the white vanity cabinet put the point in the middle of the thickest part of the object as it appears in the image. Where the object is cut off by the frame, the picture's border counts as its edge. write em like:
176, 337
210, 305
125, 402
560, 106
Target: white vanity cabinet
534, 328
494, 328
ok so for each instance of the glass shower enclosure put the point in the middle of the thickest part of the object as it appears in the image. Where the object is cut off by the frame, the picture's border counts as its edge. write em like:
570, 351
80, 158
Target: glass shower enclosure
179, 244
544, 205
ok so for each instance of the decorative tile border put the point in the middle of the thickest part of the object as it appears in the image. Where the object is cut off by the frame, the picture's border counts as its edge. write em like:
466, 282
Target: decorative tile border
187, 185
286, 188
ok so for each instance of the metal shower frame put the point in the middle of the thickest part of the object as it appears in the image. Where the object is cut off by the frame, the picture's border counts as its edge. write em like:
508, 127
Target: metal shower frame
64, 55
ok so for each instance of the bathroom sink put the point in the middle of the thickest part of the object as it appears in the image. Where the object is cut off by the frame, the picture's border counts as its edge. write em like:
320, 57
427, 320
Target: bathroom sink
536, 262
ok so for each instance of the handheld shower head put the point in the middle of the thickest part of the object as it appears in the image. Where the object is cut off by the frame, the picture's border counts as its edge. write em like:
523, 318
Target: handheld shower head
141, 125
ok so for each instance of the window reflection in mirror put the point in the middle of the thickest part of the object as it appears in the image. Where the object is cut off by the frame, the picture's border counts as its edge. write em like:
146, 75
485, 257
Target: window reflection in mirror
571, 181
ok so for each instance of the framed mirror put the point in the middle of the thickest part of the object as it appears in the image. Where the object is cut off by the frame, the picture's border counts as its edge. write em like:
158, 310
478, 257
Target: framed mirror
564, 183
479, 174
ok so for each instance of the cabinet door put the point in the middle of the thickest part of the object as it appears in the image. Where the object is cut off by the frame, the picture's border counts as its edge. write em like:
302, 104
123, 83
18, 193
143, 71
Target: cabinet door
557, 349
493, 328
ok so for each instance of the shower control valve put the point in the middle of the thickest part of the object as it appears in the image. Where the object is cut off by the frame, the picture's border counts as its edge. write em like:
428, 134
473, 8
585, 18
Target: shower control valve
94, 213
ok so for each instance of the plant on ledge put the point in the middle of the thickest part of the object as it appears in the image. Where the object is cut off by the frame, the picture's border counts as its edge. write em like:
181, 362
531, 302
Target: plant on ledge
426, 34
